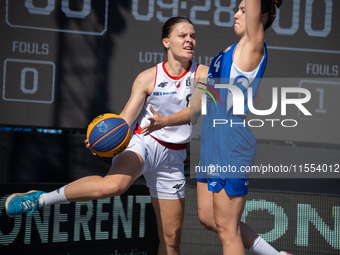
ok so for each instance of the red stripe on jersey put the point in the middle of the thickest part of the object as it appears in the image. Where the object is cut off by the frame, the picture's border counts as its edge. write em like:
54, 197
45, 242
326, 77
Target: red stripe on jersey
155, 77
176, 77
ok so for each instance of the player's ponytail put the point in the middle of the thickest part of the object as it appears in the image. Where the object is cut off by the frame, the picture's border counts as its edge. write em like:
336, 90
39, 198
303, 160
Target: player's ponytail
269, 6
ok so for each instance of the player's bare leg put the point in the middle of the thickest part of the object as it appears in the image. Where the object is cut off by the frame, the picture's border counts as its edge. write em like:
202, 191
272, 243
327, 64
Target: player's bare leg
227, 212
207, 219
169, 215
125, 169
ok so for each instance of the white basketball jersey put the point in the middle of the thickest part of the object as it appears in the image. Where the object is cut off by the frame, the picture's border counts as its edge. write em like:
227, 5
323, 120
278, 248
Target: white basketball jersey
170, 95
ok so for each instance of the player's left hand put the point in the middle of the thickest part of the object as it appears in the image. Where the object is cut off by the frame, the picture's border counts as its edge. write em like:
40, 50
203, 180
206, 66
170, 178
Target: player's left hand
87, 145
156, 122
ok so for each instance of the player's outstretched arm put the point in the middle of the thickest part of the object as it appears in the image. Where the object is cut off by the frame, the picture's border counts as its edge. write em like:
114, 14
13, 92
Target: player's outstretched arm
158, 121
249, 26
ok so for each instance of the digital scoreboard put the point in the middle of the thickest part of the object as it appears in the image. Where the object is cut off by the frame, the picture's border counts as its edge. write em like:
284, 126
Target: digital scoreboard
64, 62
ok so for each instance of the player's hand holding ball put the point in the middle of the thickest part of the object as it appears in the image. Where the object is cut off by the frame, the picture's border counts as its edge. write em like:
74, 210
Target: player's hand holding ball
107, 135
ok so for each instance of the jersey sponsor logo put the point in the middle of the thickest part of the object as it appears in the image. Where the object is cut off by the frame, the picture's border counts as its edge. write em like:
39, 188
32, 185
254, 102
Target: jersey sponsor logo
162, 84
177, 186
164, 93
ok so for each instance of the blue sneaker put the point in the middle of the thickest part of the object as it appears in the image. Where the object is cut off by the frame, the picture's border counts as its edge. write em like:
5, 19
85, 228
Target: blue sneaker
18, 203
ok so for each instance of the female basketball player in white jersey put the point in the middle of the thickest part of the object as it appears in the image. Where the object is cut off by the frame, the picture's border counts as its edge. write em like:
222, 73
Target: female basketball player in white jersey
160, 157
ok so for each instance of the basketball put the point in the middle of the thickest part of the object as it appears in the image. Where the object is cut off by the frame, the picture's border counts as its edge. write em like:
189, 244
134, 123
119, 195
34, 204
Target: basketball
108, 135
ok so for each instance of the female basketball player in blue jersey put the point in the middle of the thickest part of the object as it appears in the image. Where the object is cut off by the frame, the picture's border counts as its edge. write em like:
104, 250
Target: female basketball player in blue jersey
233, 145
221, 199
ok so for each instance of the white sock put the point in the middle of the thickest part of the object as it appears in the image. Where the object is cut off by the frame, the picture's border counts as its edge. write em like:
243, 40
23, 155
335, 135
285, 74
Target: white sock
54, 197
261, 247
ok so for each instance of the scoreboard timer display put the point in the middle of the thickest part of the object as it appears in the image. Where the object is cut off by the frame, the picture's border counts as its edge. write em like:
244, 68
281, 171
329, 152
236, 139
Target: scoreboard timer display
63, 62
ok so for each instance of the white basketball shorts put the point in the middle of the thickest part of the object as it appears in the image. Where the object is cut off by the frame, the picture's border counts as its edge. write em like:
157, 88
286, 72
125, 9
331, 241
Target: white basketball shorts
163, 168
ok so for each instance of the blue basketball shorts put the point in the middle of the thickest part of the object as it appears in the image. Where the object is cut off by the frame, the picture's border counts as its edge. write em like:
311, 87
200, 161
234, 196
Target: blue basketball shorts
227, 152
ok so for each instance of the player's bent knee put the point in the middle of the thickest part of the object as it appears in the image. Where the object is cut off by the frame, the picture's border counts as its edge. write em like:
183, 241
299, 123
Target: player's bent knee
207, 223
223, 229
227, 233
173, 238
173, 241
